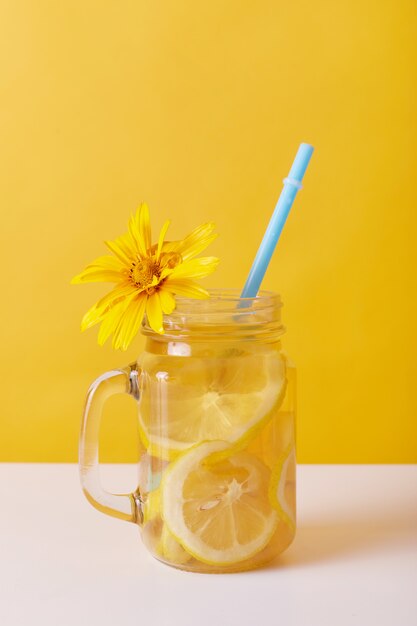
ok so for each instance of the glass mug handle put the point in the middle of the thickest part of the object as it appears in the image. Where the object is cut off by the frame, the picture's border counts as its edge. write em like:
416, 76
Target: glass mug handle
127, 507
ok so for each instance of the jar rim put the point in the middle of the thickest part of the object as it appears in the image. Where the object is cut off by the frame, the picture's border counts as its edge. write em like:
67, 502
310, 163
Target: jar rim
230, 298
221, 314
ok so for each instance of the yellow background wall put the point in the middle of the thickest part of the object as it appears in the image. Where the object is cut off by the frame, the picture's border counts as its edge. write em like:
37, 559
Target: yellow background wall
198, 108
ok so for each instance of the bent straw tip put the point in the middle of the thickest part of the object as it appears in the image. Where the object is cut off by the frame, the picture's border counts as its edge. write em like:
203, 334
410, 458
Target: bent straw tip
301, 162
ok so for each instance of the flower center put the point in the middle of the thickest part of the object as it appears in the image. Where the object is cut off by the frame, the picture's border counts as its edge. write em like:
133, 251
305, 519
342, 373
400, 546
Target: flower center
146, 273
142, 272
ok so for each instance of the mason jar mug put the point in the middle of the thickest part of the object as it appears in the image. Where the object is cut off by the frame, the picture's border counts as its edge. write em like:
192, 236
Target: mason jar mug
215, 413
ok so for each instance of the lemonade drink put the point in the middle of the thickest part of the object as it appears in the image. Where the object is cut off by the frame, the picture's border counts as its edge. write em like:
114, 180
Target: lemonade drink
215, 394
216, 422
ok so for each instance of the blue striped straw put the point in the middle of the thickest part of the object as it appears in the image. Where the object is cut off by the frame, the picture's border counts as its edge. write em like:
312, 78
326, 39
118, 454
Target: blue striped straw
291, 185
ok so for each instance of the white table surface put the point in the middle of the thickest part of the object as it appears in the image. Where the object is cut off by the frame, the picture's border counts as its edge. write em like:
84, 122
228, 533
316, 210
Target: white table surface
354, 560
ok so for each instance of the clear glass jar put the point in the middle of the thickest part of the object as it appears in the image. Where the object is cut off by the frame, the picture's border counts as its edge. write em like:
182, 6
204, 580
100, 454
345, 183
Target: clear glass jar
216, 402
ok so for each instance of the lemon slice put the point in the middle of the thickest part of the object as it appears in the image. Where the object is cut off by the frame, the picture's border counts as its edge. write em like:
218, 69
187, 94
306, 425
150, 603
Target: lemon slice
226, 399
282, 487
171, 550
220, 513
164, 544
151, 506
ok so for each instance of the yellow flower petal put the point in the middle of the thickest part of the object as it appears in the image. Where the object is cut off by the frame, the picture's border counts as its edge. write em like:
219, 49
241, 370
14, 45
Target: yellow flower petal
170, 246
106, 263
196, 268
119, 250
95, 314
195, 235
161, 238
130, 323
186, 287
167, 301
124, 248
112, 319
154, 313
92, 275
198, 247
136, 236
196, 241
144, 225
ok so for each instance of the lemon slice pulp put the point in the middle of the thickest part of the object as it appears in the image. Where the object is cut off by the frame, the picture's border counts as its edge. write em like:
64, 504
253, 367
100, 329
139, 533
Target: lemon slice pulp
195, 400
219, 512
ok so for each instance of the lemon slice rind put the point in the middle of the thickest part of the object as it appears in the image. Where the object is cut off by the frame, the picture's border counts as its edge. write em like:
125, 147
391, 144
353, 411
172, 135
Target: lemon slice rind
277, 486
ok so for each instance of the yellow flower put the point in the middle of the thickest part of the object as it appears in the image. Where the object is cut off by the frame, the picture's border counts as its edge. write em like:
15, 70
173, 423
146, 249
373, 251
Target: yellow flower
147, 277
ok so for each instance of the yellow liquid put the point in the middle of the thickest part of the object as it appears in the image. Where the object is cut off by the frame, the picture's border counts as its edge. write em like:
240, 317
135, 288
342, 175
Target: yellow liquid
198, 392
